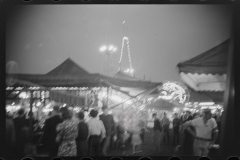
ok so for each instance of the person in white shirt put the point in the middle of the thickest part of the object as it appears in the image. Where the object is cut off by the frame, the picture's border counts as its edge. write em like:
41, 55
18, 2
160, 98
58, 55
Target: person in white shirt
97, 133
206, 133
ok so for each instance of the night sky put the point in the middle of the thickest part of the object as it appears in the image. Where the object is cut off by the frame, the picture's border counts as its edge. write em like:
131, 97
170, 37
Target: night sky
40, 37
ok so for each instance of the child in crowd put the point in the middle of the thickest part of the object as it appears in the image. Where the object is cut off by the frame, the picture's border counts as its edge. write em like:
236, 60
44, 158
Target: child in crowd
136, 141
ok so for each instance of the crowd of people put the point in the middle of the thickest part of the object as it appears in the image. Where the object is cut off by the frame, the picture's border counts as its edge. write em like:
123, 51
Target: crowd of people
199, 132
67, 133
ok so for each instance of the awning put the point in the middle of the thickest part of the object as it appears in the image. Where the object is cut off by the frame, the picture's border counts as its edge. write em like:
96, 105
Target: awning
206, 72
58, 96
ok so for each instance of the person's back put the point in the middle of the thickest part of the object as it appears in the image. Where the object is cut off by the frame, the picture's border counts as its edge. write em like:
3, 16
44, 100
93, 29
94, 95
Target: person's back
82, 131
20, 126
81, 140
97, 133
50, 128
19, 123
67, 131
109, 126
108, 122
176, 124
10, 132
176, 121
165, 121
165, 125
50, 132
10, 137
157, 125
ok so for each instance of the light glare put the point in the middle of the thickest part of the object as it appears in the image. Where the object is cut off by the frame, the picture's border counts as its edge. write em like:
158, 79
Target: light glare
110, 48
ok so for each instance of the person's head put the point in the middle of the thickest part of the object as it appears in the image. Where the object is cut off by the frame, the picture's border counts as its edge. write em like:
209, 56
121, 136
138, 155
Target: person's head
196, 115
56, 109
50, 113
175, 115
105, 109
93, 113
207, 114
65, 113
164, 114
154, 115
20, 112
81, 115
188, 113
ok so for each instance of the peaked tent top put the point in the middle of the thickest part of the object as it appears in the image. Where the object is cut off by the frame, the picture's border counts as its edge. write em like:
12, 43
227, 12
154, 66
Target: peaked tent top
213, 61
68, 68
70, 74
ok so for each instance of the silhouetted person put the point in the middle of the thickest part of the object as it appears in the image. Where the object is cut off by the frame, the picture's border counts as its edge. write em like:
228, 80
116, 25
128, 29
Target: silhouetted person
10, 137
188, 137
109, 125
20, 124
50, 133
176, 124
81, 140
157, 131
165, 126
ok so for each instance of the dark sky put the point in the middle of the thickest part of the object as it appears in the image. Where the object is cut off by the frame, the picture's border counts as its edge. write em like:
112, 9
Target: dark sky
40, 37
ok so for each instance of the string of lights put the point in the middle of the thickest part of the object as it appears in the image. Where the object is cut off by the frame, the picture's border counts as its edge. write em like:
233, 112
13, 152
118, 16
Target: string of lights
130, 70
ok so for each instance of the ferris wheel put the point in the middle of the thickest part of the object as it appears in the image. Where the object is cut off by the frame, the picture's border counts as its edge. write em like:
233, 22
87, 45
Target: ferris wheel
130, 70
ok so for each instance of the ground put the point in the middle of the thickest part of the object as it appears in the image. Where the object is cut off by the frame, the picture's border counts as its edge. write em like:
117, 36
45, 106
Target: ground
148, 148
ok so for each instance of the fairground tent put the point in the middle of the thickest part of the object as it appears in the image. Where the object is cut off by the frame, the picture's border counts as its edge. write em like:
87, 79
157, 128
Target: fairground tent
206, 73
70, 74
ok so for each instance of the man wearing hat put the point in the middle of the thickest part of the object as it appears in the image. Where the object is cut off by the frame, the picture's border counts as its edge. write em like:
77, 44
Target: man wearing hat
206, 133
97, 133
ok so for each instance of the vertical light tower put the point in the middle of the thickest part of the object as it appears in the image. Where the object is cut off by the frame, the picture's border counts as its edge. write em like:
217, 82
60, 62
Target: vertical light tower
108, 51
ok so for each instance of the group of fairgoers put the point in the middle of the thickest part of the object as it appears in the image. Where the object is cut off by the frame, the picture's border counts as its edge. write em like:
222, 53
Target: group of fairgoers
200, 132
67, 136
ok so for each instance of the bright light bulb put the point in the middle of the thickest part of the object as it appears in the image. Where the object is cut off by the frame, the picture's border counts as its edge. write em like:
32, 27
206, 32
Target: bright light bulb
206, 103
23, 95
114, 49
17, 107
39, 103
110, 48
103, 48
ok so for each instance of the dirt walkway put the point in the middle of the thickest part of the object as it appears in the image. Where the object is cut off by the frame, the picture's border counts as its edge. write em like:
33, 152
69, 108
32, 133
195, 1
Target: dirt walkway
148, 148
